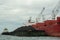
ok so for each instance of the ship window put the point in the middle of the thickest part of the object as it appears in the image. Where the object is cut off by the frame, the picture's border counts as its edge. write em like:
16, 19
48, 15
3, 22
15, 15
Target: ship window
58, 22
45, 25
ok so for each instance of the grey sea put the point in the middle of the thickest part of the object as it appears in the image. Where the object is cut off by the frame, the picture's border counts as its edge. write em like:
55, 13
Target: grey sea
4, 37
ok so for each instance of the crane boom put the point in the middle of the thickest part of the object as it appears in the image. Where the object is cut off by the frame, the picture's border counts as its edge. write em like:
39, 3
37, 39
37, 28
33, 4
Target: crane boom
55, 10
37, 19
42, 10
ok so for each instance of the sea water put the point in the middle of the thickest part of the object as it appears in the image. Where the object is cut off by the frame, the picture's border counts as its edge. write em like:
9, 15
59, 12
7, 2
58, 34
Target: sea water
5, 37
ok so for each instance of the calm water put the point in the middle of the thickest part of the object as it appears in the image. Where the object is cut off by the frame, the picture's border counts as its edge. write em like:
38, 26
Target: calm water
3, 37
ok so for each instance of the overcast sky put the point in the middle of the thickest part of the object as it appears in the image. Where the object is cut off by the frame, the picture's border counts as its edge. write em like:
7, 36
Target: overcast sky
13, 13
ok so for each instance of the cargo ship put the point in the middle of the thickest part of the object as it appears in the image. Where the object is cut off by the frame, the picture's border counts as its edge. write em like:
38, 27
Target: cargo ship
45, 28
